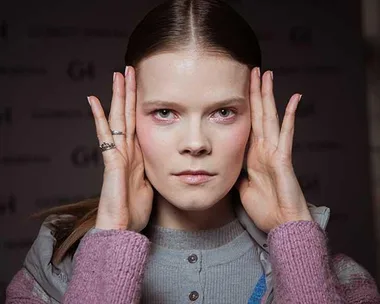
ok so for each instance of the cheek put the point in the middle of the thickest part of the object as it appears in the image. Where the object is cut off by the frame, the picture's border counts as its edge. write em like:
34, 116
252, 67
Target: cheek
152, 144
233, 143
145, 137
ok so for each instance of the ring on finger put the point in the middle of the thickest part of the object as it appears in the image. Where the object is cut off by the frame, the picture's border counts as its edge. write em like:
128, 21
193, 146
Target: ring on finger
107, 146
114, 132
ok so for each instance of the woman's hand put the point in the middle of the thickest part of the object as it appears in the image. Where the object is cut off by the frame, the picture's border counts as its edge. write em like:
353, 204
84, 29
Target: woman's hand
126, 196
271, 194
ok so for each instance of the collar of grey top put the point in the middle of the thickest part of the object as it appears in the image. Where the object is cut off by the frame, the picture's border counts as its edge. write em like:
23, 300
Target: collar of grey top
196, 240
54, 280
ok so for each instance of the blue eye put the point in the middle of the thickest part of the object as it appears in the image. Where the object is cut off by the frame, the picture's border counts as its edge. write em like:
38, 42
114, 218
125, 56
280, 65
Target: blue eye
225, 112
164, 113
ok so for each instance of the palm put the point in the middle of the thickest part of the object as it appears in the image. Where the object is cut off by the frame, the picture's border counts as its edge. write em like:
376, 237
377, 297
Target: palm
142, 196
126, 196
271, 193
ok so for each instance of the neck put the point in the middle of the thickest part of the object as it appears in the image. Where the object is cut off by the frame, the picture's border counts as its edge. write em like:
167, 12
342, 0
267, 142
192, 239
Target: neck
167, 215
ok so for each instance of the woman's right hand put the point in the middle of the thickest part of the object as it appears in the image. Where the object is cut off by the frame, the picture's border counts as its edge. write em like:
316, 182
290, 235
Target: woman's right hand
126, 197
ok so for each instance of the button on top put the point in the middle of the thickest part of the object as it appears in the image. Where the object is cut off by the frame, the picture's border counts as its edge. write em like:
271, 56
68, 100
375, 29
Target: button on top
193, 296
192, 258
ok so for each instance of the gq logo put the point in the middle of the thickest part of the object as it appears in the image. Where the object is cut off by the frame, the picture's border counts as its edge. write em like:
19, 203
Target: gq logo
84, 157
79, 70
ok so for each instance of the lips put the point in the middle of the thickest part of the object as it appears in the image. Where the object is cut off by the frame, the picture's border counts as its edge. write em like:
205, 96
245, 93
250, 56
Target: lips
195, 177
195, 172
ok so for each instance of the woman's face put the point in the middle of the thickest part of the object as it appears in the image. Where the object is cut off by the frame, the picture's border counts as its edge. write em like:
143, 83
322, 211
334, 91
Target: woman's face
192, 113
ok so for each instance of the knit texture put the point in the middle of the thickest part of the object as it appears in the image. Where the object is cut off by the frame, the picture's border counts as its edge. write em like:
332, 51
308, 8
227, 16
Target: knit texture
222, 265
21, 290
109, 268
192, 240
110, 265
358, 285
301, 269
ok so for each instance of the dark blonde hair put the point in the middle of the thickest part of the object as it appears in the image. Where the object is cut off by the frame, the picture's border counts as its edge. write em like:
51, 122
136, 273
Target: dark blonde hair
209, 25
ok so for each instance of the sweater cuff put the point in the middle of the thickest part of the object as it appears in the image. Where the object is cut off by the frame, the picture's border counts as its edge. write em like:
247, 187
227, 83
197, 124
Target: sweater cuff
299, 255
297, 245
109, 267
295, 231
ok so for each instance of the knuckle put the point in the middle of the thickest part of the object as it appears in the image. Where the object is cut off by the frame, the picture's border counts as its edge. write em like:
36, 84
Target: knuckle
99, 116
118, 117
109, 161
289, 130
267, 93
101, 135
289, 113
269, 117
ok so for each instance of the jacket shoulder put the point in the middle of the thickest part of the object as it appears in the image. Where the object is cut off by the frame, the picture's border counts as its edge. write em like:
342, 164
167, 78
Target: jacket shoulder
23, 288
355, 281
52, 279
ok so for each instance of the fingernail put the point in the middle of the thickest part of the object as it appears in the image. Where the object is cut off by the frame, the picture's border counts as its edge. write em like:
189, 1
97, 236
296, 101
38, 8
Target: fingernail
271, 74
258, 72
88, 99
126, 71
299, 99
114, 76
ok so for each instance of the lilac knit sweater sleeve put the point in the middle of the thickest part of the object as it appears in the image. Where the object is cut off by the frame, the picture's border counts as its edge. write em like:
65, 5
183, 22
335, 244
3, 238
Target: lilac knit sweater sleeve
304, 273
108, 268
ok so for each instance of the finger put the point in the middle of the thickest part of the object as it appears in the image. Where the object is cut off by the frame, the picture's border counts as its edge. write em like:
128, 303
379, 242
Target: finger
117, 113
287, 129
130, 103
103, 131
256, 104
270, 115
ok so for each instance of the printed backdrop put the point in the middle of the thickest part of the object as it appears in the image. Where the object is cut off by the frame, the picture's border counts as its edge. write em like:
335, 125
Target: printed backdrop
52, 55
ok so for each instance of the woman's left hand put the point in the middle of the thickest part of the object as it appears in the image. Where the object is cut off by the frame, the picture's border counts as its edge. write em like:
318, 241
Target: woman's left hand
270, 193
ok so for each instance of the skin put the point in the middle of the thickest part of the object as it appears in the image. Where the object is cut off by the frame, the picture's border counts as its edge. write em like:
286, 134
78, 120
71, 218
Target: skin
182, 125
270, 193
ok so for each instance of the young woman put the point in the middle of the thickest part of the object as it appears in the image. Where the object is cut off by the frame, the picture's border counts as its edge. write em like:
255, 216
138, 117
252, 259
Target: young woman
178, 221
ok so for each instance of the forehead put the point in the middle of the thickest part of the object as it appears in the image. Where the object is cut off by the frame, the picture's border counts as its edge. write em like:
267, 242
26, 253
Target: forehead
189, 76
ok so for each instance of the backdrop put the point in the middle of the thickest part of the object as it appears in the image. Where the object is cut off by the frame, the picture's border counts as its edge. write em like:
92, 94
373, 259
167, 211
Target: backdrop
54, 54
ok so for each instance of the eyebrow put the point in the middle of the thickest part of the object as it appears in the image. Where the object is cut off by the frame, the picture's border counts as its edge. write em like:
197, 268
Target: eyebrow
171, 104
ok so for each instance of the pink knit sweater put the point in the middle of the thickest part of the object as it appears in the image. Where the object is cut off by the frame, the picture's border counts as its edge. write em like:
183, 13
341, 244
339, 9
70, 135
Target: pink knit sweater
109, 268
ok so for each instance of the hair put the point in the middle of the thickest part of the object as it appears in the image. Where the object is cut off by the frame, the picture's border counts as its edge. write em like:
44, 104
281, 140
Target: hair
209, 26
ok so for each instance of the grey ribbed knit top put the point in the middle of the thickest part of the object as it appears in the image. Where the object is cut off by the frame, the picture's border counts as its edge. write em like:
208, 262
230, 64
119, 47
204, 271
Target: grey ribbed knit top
208, 266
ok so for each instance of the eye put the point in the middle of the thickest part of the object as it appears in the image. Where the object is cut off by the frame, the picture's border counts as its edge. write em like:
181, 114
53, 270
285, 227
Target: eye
225, 113
162, 113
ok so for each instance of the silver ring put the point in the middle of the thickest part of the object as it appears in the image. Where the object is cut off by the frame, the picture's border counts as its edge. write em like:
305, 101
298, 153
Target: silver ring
107, 146
113, 132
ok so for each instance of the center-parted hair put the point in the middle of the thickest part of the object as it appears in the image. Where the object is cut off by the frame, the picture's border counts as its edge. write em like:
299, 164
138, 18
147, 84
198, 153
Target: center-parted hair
209, 26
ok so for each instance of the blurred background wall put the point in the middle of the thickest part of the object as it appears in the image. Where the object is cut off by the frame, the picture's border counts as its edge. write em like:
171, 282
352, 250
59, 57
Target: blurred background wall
52, 55
371, 37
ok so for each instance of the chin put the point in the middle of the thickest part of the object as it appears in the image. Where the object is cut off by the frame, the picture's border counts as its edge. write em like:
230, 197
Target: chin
195, 199
193, 204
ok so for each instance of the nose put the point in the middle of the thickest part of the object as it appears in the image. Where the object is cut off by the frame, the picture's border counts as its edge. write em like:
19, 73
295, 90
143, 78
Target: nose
195, 141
